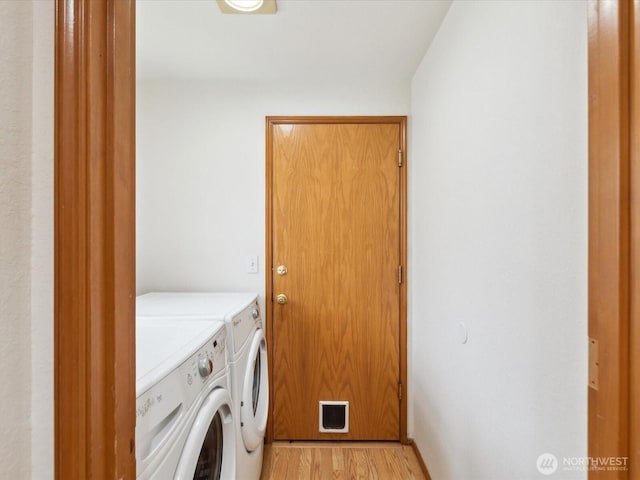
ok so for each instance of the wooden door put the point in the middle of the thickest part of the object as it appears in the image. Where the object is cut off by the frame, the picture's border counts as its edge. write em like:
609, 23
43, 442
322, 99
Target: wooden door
336, 227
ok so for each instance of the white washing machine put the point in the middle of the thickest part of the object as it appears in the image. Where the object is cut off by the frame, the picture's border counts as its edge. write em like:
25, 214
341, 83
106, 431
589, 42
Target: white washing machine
185, 427
247, 358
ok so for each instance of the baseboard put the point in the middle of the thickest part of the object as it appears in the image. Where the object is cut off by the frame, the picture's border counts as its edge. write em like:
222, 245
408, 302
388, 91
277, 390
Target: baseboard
423, 466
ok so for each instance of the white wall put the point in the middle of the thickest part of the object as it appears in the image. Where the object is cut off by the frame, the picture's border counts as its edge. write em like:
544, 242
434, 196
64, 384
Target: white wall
26, 239
498, 220
42, 242
15, 237
201, 173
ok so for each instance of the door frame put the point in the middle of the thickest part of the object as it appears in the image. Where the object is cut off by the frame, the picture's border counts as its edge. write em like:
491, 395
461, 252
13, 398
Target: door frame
269, 294
634, 325
614, 234
94, 239
82, 387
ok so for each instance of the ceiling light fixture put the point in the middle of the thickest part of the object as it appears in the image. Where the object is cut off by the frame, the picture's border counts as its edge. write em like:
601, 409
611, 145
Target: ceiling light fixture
247, 6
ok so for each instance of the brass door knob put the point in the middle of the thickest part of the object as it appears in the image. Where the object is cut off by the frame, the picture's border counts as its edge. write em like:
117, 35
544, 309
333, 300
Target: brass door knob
281, 270
282, 299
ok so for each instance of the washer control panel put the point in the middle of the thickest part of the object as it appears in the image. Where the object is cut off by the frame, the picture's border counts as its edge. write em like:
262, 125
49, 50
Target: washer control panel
208, 361
164, 403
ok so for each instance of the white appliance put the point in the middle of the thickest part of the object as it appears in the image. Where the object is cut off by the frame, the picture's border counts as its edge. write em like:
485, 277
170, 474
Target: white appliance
185, 427
247, 358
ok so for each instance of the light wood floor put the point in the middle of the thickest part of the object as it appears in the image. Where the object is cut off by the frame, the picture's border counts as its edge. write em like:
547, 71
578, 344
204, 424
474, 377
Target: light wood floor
338, 461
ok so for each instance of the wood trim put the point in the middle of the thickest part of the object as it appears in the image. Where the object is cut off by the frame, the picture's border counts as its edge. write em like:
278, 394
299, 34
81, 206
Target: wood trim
329, 119
94, 239
403, 286
634, 381
268, 300
402, 122
423, 466
609, 229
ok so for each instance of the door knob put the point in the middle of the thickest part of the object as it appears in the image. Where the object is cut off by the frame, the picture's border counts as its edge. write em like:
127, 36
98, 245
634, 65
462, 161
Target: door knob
281, 270
282, 299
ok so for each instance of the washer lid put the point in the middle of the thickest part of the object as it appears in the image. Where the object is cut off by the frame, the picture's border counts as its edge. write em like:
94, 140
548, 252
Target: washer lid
163, 343
193, 304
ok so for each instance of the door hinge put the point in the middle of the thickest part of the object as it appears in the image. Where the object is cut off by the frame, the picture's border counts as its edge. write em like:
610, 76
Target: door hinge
399, 158
399, 391
594, 365
399, 273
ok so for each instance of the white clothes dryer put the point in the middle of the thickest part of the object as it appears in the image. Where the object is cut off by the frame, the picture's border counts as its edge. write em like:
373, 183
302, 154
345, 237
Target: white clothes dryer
185, 426
247, 359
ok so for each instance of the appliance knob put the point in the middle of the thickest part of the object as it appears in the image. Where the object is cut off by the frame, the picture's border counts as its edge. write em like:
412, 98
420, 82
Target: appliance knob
255, 314
205, 367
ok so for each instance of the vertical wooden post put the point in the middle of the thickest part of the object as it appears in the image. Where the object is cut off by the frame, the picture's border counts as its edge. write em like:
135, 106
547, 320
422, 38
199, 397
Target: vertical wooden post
94, 239
609, 231
634, 350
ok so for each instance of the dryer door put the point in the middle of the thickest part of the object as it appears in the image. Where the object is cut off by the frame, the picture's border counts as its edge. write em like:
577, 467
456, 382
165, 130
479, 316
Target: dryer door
209, 452
255, 394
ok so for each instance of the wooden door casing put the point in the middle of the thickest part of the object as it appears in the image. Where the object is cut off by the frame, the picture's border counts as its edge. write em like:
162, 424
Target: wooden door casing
94, 246
634, 334
614, 237
336, 213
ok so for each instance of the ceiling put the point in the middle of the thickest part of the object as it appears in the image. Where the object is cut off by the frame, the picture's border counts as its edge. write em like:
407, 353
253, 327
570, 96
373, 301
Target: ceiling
322, 40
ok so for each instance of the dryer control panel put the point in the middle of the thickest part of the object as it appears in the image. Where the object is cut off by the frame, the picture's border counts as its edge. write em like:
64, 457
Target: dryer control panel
244, 323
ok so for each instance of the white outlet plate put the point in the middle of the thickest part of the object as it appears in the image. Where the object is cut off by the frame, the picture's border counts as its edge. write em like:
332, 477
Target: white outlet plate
252, 265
